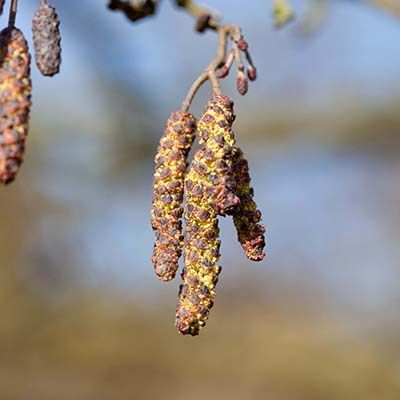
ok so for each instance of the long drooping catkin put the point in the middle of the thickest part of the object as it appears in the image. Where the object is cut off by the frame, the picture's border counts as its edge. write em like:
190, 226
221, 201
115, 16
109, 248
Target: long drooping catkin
247, 217
168, 187
47, 39
15, 101
1, 6
210, 191
217, 141
200, 275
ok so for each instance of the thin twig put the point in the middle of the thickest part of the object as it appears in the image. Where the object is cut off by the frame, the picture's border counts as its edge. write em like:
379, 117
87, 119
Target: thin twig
197, 11
13, 13
225, 32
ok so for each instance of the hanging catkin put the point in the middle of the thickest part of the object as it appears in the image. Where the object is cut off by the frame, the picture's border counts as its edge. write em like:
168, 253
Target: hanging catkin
15, 101
210, 189
1, 6
247, 217
47, 39
168, 187
217, 141
200, 275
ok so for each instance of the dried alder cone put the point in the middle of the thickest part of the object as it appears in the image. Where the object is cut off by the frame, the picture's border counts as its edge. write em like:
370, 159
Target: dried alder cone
168, 187
47, 39
15, 101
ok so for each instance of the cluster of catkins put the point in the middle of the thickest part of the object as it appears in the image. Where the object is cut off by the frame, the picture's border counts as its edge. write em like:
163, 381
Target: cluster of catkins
217, 183
15, 81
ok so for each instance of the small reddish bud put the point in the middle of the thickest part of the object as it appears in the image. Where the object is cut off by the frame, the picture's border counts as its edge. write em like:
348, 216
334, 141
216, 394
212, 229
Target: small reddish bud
242, 83
223, 72
242, 44
252, 73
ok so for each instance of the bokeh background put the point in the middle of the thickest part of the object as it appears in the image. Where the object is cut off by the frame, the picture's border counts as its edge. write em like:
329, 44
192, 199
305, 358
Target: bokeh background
83, 316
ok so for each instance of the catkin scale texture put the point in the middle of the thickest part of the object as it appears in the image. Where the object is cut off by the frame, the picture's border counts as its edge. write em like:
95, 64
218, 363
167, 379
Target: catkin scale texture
168, 188
217, 141
15, 101
247, 216
210, 191
47, 39
201, 245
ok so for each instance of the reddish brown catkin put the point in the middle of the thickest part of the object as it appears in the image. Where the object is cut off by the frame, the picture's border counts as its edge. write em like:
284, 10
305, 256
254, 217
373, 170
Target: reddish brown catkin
209, 193
47, 39
196, 295
217, 141
247, 217
1, 6
15, 101
168, 188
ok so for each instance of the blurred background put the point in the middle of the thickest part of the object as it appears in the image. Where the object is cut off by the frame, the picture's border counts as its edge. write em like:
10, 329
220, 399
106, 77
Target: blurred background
84, 316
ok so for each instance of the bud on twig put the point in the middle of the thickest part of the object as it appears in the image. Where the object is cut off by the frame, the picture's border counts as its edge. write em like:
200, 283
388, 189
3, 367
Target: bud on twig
242, 83
242, 44
47, 39
168, 187
15, 101
252, 73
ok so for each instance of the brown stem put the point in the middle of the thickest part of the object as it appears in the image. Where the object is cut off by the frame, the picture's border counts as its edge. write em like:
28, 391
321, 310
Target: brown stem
197, 11
13, 13
225, 32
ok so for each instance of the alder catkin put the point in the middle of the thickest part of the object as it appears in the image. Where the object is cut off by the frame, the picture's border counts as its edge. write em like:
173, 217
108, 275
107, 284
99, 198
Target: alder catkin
1, 6
247, 217
47, 39
200, 275
15, 101
217, 141
168, 188
210, 191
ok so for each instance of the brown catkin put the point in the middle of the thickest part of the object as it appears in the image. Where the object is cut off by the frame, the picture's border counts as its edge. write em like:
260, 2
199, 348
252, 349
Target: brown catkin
47, 39
210, 191
1, 6
168, 188
15, 101
247, 216
217, 141
200, 275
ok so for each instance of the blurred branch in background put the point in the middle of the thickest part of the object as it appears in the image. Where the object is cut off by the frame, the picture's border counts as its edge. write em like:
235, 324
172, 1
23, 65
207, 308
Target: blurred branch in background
314, 17
134, 9
391, 6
